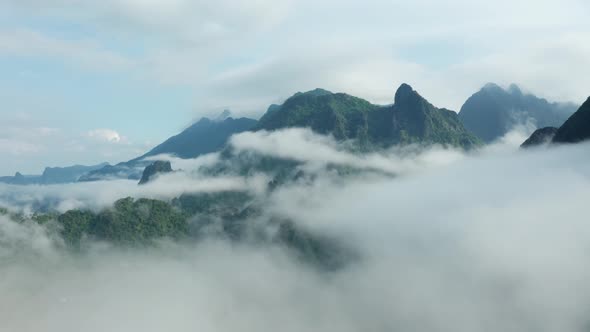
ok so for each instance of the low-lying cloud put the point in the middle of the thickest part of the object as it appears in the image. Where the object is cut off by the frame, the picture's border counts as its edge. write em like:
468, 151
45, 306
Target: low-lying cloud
315, 150
102, 194
490, 241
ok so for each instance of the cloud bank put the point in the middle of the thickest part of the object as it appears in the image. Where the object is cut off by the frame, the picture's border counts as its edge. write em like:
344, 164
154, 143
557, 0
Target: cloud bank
494, 241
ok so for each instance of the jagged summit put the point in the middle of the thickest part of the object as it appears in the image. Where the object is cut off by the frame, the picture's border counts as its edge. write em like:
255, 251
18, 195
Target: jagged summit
515, 89
412, 119
490, 86
404, 92
314, 93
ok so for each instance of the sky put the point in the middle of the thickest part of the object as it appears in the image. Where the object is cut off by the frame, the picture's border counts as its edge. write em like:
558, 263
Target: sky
85, 82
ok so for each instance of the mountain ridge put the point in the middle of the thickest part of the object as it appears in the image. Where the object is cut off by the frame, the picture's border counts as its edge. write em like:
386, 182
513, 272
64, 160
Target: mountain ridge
411, 119
52, 175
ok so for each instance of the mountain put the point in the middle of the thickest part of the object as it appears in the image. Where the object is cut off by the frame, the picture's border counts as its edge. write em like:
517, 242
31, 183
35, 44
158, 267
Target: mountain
124, 170
540, 137
20, 179
576, 128
52, 175
139, 222
158, 167
411, 119
493, 111
339, 114
67, 174
204, 136
415, 120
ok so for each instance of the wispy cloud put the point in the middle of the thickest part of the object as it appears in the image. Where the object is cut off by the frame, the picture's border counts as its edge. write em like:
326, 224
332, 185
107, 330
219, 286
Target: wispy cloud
106, 135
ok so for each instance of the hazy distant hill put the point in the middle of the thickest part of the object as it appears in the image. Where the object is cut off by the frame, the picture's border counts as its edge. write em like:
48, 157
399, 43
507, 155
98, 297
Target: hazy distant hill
411, 119
204, 136
493, 111
52, 175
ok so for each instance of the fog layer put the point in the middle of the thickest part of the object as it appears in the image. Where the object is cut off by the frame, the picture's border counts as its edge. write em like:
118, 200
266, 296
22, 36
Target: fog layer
497, 240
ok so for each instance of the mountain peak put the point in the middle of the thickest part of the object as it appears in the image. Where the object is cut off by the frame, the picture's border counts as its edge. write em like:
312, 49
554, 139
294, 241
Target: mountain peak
403, 92
317, 92
514, 89
490, 86
204, 120
223, 116
226, 114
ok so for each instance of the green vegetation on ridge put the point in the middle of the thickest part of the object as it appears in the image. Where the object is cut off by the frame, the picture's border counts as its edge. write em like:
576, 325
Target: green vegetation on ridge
411, 119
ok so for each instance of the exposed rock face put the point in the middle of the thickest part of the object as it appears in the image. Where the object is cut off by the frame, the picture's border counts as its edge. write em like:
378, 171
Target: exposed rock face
576, 128
154, 169
540, 137
493, 111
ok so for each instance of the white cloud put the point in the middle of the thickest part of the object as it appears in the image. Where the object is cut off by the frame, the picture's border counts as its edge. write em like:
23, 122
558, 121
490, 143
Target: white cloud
30, 148
317, 151
482, 245
247, 54
106, 135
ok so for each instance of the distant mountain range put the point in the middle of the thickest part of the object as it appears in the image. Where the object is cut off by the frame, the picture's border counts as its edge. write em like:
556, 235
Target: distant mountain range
205, 136
411, 119
493, 111
52, 175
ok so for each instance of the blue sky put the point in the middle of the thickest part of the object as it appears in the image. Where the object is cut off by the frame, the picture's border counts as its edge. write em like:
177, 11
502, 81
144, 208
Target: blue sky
84, 82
